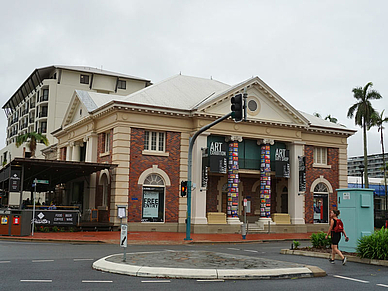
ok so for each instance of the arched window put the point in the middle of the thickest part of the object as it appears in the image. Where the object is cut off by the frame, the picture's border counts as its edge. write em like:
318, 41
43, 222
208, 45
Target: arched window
153, 198
153, 180
321, 187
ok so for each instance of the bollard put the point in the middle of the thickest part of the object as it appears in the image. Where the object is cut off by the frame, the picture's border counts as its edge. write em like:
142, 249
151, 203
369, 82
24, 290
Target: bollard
243, 231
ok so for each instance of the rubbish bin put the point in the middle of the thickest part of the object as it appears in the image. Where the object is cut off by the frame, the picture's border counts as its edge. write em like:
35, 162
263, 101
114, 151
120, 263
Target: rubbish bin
15, 222
4, 222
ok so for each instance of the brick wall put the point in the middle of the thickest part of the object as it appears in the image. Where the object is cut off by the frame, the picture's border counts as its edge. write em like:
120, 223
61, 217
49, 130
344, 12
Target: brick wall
139, 163
62, 154
212, 194
332, 175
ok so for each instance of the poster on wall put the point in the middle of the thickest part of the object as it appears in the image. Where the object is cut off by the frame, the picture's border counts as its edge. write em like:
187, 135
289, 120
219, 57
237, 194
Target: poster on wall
302, 174
218, 157
150, 204
153, 204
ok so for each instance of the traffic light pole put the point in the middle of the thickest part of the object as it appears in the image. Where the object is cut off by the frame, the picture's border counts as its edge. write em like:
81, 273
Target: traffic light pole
190, 161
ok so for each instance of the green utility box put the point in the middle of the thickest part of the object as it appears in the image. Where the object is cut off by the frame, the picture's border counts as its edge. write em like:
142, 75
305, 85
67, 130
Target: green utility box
356, 207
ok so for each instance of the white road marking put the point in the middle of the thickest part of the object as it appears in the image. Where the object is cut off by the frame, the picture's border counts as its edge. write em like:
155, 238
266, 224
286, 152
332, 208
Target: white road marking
96, 281
219, 280
76, 260
233, 249
252, 251
351, 279
42, 261
170, 251
3, 262
157, 281
37, 281
382, 285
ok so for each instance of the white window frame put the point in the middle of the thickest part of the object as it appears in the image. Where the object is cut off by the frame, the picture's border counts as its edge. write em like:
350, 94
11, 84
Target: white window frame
153, 142
107, 142
320, 157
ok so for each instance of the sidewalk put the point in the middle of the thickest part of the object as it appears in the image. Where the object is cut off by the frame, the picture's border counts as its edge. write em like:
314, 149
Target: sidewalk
155, 238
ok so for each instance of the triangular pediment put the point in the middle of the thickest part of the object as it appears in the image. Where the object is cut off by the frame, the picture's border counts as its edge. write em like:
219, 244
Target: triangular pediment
77, 108
263, 104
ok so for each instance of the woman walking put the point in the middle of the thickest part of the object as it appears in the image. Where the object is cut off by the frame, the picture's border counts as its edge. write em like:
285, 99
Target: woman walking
336, 235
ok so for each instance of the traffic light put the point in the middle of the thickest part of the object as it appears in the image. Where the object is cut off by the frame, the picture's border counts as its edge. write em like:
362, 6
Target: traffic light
183, 188
237, 107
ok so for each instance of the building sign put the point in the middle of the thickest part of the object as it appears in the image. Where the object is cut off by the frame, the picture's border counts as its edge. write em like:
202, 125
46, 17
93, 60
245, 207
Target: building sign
14, 181
4, 219
282, 163
302, 174
205, 163
153, 204
56, 217
218, 157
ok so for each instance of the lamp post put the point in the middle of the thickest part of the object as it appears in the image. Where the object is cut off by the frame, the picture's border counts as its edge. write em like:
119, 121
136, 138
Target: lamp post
361, 167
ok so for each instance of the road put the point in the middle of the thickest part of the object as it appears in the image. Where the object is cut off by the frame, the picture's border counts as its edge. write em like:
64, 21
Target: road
65, 266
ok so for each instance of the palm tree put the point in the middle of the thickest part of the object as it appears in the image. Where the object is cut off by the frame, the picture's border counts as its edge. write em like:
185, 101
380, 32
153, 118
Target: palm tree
32, 138
378, 121
331, 118
363, 112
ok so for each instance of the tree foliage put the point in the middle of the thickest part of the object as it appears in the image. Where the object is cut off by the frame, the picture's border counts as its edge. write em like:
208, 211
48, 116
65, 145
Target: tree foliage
31, 138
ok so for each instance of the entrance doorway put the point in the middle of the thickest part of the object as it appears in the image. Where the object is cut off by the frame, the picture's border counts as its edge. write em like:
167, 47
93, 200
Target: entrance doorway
321, 203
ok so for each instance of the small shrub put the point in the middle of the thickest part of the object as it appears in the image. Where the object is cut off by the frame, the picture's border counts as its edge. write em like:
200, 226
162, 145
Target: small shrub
71, 229
55, 228
46, 229
374, 246
319, 241
296, 244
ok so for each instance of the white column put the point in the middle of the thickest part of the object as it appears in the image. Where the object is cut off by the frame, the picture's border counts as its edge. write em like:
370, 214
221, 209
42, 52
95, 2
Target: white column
91, 156
198, 195
295, 198
91, 148
76, 153
69, 152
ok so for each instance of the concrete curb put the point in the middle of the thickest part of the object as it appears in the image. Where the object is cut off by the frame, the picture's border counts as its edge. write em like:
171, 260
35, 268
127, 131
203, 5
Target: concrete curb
327, 256
226, 274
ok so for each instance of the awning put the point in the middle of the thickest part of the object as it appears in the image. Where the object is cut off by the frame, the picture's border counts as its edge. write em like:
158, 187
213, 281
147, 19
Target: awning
53, 171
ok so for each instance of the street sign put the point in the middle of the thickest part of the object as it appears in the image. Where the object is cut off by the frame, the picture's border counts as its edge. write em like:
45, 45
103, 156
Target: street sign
123, 237
42, 181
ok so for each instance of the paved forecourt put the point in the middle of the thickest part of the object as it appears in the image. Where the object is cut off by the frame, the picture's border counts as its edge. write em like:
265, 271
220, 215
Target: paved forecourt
203, 265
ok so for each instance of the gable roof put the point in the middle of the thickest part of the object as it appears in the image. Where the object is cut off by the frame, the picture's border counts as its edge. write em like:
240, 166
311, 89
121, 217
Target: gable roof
180, 92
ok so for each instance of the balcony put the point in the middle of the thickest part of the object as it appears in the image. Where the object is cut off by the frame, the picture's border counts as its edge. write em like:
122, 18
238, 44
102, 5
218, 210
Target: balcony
32, 104
42, 130
43, 114
249, 164
23, 125
25, 111
31, 119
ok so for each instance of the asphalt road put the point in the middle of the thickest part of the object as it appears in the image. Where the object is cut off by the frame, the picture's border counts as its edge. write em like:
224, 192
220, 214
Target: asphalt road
65, 266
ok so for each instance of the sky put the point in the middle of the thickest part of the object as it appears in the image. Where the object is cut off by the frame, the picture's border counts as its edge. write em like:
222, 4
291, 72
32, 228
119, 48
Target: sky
312, 53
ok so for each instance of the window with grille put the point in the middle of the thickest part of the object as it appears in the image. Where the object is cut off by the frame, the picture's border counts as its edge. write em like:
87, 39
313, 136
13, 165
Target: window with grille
154, 141
320, 156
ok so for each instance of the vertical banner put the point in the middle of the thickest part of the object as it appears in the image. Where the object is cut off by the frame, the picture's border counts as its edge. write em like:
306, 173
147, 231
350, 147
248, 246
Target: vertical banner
302, 174
282, 163
14, 181
265, 182
218, 157
233, 180
205, 164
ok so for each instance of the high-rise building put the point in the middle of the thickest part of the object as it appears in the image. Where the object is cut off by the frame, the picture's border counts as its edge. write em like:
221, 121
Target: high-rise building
375, 165
40, 103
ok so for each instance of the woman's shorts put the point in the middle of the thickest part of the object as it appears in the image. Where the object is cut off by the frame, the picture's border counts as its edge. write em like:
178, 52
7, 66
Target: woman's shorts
335, 237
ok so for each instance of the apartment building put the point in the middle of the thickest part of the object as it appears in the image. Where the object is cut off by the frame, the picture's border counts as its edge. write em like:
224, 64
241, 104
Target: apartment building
375, 165
40, 103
